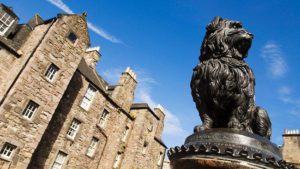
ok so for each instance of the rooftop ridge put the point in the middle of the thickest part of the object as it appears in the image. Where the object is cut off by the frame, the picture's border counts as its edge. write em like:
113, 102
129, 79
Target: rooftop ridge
131, 72
96, 48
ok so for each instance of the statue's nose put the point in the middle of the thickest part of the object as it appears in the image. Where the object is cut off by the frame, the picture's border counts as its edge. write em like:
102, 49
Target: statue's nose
251, 35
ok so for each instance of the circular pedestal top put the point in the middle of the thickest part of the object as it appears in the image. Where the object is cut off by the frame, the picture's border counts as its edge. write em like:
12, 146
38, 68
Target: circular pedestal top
231, 145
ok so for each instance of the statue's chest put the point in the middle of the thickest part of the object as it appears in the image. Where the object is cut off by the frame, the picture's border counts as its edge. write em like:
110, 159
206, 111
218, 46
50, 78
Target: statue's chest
228, 73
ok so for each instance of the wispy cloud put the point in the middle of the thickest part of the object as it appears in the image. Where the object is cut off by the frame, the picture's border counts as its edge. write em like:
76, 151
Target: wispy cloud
294, 103
98, 30
61, 5
273, 56
101, 32
284, 90
144, 94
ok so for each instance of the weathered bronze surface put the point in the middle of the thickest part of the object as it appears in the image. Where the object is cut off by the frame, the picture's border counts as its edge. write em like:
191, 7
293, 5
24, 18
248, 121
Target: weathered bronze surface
235, 133
223, 84
221, 147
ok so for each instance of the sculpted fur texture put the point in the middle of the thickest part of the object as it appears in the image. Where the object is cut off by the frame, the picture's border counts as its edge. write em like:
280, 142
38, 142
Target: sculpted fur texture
223, 84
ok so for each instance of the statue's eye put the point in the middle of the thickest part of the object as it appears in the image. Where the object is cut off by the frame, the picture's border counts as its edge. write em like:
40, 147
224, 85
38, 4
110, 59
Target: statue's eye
236, 25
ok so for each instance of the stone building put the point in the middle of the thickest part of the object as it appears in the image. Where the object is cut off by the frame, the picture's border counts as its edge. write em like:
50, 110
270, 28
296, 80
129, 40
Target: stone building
57, 112
166, 164
291, 147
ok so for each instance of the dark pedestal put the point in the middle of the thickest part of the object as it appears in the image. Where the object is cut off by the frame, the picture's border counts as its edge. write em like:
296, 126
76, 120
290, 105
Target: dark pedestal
226, 149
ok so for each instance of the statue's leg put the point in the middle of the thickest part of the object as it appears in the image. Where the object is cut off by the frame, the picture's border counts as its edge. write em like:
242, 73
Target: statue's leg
207, 123
234, 120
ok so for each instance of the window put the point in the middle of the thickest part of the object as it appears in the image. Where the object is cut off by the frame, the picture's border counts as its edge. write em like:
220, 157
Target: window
92, 147
7, 151
88, 97
117, 161
5, 22
103, 118
30, 109
72, 37
73, 129
125, 134
59, 161
51, 72
160, 158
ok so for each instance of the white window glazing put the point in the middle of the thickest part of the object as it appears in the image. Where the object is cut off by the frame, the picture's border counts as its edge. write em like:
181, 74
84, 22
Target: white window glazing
51, 72
59, 160
74, 127
7, 151
88, 97
30, 109
103, 118
117, 161
125, 134
160, 158
92, 147
5, 22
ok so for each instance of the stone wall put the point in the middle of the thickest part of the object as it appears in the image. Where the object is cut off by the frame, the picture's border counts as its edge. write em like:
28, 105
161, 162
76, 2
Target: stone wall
166, 165
143, 149
31, 85
130, 137
291, 147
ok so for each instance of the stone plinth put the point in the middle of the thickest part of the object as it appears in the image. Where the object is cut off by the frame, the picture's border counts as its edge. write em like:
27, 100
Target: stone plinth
226, 149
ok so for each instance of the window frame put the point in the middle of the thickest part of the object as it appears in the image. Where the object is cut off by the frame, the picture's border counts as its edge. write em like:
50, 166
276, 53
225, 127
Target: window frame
7, 26
118, 160
26, 112
5, 149
160, 159
92, 147
125, 134
65, 155
103, 118
73, 130
53, 74
88, 97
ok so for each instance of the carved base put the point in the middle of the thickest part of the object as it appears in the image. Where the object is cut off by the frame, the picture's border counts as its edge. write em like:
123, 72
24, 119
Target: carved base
226, 148
212, 162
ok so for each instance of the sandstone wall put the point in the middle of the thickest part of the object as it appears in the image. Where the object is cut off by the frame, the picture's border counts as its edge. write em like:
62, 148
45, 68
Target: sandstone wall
32, 85
39, 139
142, 150
291, 148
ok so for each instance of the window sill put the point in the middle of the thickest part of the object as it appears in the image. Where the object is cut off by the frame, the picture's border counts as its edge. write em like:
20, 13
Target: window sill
91, 157
70, 138
5, 158
84, 109
52, 82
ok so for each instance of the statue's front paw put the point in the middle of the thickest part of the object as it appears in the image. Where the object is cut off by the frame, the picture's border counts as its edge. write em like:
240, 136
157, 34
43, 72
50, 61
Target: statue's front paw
201, 127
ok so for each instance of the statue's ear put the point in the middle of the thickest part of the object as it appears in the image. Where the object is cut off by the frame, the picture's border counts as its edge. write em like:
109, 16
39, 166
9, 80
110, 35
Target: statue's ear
216, 20
214, 24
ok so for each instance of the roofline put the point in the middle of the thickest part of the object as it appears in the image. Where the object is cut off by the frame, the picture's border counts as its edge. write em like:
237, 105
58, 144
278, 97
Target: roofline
136, 106
107, 96
160, 142
291, 135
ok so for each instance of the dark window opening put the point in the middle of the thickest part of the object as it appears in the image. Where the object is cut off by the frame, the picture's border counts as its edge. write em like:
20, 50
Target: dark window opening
72, 37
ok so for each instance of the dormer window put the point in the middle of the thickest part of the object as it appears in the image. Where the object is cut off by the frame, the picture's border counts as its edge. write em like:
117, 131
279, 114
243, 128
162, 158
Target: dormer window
5, 22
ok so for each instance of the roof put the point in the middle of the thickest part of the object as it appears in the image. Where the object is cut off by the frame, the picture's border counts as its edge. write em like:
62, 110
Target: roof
8, 10
91, 75
160, 141
144, 106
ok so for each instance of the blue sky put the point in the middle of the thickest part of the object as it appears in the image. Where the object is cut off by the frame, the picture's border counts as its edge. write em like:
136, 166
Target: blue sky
160, 40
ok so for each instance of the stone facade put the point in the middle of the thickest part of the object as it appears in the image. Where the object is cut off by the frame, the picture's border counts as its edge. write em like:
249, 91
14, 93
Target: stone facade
57, 112
166, 164
291, 147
